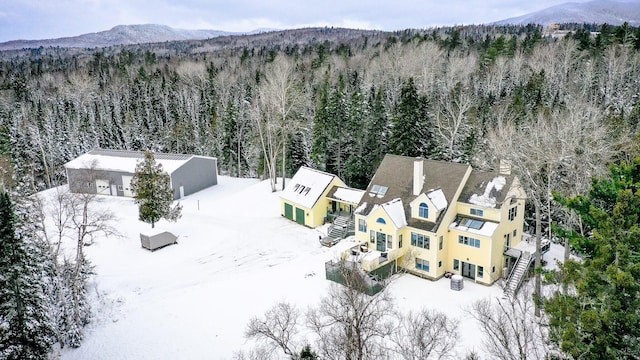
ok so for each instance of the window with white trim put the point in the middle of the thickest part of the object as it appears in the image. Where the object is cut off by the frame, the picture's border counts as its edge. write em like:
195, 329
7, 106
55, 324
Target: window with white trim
476, 212
421, 241
362, 225
422, 264
465, 240
513, 212
423, 210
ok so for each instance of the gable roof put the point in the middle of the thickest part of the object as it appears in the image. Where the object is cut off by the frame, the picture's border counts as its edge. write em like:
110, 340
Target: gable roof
306, 186
125, 161
486, 188
396, 173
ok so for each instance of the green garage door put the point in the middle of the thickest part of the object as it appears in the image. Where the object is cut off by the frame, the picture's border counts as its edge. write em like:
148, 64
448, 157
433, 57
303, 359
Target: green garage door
300, 216
288, 211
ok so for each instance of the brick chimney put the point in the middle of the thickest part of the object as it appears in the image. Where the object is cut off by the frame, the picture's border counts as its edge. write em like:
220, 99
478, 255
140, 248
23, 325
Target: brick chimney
418, 175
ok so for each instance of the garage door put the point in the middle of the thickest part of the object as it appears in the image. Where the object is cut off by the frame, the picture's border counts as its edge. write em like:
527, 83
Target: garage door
102, 187
126, 186
300, 216
288, 211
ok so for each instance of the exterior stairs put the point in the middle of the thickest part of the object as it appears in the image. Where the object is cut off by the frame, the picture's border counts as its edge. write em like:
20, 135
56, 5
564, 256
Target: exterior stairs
342, 227
518, 273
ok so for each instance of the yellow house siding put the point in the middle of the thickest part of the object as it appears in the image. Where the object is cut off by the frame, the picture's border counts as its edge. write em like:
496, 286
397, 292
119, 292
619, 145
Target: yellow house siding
470, 254
315, 215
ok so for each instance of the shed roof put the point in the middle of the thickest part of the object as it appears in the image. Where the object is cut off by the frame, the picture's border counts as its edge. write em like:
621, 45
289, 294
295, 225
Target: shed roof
306, 186
125, 161
345, 194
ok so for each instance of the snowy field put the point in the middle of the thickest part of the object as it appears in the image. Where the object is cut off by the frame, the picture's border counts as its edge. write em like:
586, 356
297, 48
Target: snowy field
235, 258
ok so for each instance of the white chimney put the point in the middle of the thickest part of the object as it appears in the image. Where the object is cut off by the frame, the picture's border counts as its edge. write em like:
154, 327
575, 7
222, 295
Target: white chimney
505, 167
418, 175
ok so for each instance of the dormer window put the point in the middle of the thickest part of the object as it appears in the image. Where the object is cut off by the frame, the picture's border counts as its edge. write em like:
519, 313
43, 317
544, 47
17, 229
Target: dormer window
423, 210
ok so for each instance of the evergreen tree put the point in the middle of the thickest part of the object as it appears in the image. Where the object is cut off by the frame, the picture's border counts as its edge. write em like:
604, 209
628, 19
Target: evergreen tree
153, 193
601, 318
407, 133
26, 329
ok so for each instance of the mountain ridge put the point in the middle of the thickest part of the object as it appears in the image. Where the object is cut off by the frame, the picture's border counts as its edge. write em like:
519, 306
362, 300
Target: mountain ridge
123, 35
593, 12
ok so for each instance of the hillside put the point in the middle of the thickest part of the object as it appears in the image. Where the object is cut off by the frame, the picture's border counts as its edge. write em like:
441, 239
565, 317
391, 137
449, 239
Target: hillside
119, 35
593, 12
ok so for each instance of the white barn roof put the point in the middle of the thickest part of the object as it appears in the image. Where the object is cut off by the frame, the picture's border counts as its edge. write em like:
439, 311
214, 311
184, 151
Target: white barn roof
125, 161
306, 186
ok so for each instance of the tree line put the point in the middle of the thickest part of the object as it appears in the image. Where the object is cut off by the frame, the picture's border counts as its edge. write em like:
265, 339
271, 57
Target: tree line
559, 110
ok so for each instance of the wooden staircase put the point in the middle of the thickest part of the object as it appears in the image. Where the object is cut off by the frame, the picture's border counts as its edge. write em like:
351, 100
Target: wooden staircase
518, 273
342, 227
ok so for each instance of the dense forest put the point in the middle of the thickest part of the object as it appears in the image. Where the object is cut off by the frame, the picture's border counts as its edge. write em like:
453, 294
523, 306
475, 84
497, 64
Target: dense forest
559, 110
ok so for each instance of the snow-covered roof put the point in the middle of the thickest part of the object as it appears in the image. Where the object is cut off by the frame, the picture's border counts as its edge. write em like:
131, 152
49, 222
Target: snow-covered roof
488, 198
347, 194
395, 210
438, 199
306, 186
124, 161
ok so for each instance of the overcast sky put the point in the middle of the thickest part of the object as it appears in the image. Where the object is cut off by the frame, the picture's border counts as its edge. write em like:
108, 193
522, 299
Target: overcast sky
43, 19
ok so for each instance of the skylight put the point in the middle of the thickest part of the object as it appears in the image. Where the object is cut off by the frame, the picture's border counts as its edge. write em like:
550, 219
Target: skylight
378, 190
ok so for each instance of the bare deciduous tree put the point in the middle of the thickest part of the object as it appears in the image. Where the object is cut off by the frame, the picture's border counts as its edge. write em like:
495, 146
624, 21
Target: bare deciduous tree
510, 328
278, 328
424, 335
350, 324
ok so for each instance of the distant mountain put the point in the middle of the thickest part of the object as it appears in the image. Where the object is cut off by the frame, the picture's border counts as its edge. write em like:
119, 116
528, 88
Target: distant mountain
592, 12
121, 35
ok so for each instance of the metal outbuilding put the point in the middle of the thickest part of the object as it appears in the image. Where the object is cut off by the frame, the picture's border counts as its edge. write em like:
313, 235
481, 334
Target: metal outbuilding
109, 172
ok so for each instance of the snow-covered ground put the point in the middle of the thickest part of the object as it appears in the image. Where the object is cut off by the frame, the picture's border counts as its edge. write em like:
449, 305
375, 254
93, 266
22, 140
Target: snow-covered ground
235, 258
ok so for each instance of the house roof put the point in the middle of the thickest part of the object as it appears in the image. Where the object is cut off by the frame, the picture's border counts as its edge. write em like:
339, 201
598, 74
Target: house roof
125, 161
306, 186
396, 173
346, 194
486, 188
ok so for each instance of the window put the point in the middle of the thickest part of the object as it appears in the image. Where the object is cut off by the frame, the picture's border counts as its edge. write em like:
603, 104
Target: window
423, 210
296, 187
378, 190
515, 231
389, 242
362, 225
471, 223
119, 187
465, 240
400, 241
513, 212
440, 263
476, 212
480, 271
441, 243
422, 264
306, 191
372, 236
456, 264
380, 221
421, 241
493, 269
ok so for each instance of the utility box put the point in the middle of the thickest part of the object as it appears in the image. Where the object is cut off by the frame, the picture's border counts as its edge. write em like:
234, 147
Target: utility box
457, 283
156, 240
